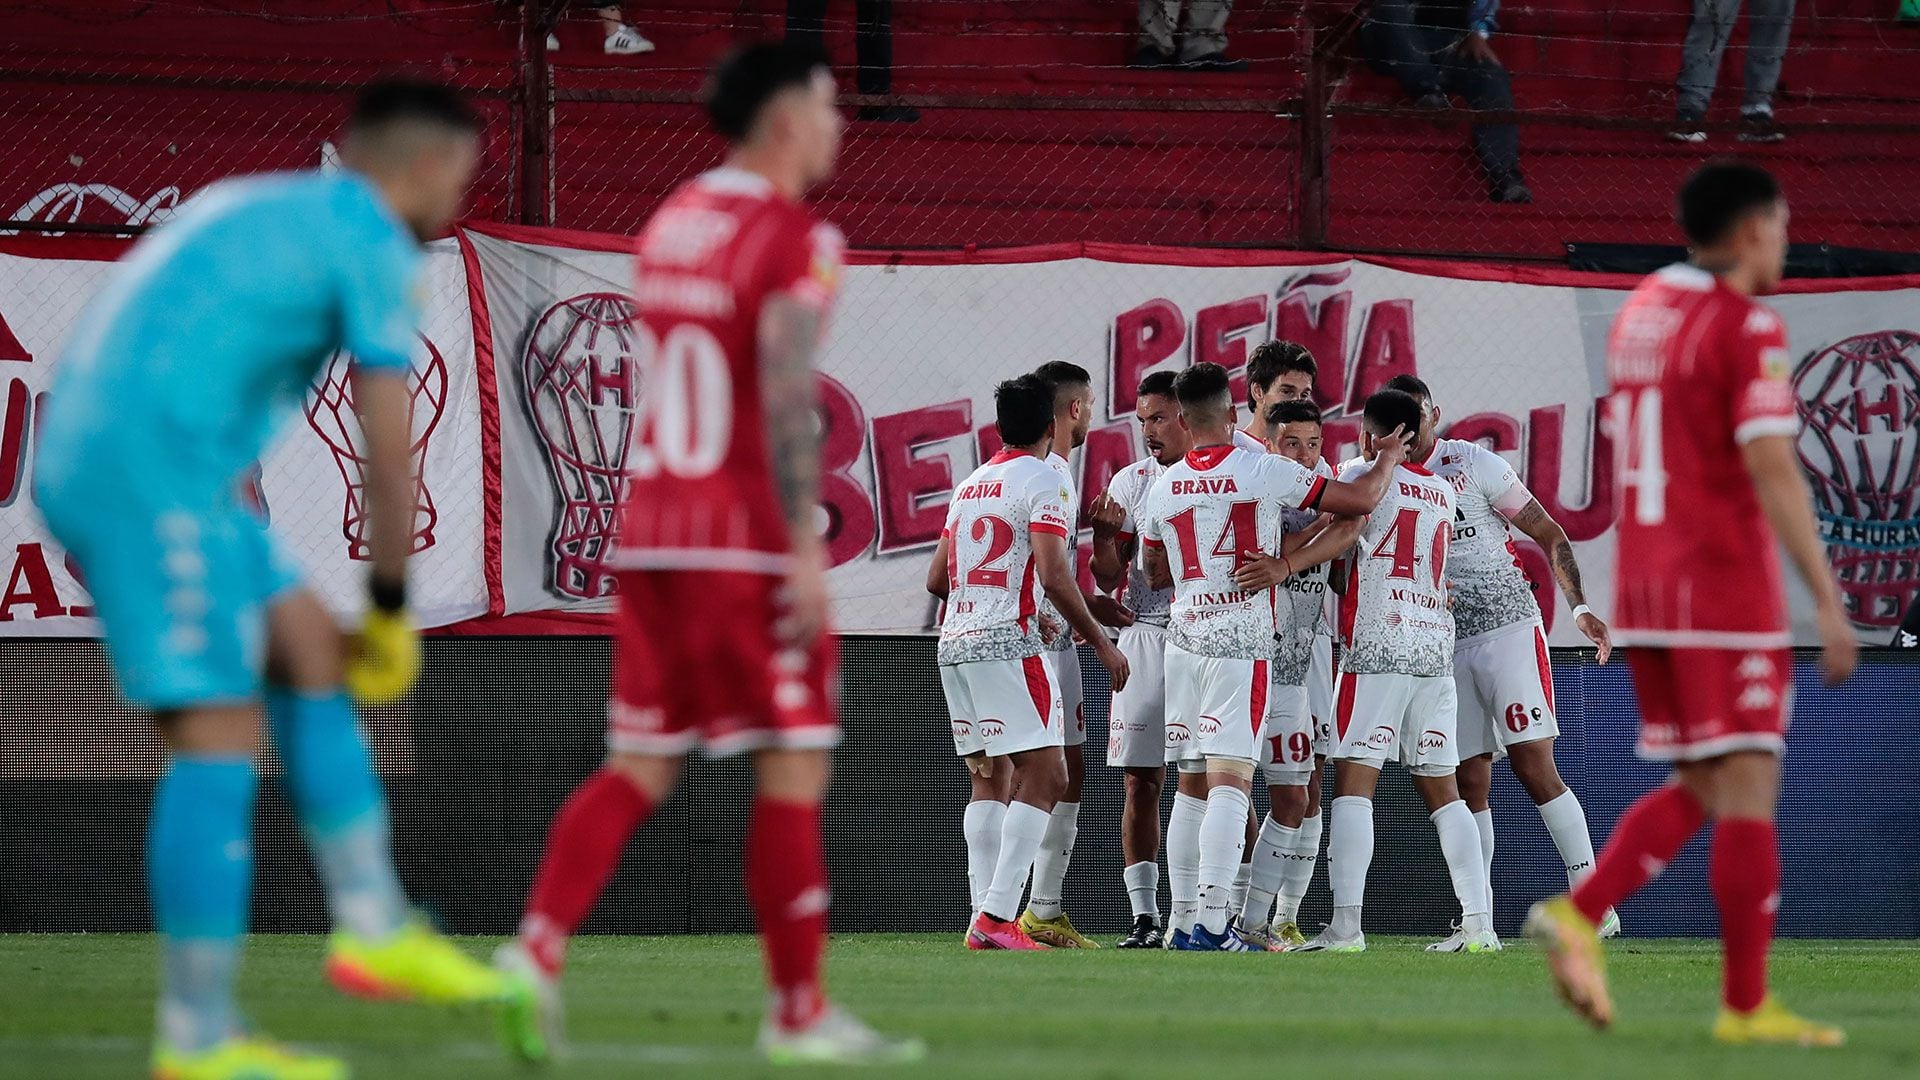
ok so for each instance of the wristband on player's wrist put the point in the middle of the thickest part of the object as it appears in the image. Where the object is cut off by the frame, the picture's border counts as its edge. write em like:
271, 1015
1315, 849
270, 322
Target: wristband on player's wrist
1582, 609
387, 596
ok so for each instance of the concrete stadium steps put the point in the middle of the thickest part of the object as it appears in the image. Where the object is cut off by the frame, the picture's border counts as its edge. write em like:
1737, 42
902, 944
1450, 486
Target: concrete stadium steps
980, 176
1071, 47
1395, 189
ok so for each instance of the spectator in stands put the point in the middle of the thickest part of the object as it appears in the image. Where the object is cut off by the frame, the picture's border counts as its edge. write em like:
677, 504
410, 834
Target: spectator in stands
872, 47
1203, 45
621, 39
1434, 48
1768, 25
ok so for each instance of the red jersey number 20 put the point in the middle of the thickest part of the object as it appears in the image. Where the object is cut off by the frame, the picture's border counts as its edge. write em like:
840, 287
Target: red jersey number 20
685, 414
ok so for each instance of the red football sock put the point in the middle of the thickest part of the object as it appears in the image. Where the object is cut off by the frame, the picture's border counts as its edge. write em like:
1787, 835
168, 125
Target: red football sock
583, 848
786, 879
1744, 870
1649, 835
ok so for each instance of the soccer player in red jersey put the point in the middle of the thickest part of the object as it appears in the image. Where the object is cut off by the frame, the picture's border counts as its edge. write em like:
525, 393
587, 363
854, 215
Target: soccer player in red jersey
1703, 419
722, 625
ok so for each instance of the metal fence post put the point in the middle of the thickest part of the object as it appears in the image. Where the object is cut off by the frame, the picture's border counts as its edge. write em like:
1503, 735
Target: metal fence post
1314, 137
536, 115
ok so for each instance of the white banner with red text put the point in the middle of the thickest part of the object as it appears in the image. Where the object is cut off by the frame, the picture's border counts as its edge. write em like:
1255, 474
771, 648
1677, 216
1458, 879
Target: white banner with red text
532, 368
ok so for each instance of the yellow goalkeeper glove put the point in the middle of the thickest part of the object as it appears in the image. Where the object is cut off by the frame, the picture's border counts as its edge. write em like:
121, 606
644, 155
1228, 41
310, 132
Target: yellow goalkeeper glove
385, 657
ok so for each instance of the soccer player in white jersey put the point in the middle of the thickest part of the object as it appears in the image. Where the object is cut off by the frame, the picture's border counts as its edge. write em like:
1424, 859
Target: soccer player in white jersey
1136, 725
1286, 849
1501, 672
1204, 517
1395, 699
1045, 920
1005, 543
1276, 371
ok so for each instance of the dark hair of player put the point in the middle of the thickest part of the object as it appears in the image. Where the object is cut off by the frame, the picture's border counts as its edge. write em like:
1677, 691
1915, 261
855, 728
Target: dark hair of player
1721, 193
1160, 383
1281, 413
748, 77
1274, 359
1411, 385
418, 101
1391, 409
1066, 378
1023, 408
1201, 384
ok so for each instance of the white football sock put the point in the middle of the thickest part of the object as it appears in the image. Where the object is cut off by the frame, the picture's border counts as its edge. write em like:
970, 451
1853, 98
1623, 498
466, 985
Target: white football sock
1484, 819
1242, 881
1183, 859
1567, 824
1143, 888
1223, 833
1020, 835
1270, 860
981, 823
1298, 870
1050, 868
1460, 843
1349, 854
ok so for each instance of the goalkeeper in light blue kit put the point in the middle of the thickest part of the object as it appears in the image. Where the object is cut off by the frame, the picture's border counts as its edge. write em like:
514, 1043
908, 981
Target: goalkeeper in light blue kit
204, 340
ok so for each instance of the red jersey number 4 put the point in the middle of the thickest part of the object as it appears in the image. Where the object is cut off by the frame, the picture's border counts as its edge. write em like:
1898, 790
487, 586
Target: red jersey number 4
1238, 537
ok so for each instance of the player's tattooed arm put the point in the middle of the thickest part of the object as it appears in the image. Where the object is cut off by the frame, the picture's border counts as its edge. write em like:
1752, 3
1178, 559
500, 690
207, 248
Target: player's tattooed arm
789, 333
1159, 573
789, 336
1539, 526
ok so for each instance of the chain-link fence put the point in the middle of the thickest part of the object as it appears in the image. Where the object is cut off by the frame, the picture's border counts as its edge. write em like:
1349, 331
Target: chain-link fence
1376, 126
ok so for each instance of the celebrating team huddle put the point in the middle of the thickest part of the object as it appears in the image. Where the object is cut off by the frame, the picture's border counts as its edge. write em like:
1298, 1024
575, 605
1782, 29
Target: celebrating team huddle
1227, 560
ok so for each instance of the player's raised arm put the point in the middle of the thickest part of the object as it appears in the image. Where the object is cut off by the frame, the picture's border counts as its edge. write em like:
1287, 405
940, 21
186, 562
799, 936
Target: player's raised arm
1056, 578
1358, 497
1788, 504
1112, 545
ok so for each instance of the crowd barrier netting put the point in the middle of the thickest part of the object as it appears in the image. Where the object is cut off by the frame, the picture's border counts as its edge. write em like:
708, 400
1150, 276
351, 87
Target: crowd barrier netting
502, 728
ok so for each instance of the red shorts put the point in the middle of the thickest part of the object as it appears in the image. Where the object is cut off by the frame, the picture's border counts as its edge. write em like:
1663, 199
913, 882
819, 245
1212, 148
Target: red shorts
1701, 703
695, 660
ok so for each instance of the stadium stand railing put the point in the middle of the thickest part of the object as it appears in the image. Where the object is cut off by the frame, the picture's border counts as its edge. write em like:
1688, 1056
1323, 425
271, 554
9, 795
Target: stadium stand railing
1031, 127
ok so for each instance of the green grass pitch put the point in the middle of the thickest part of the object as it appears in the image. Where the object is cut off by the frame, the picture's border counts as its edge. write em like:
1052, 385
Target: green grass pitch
81, 1006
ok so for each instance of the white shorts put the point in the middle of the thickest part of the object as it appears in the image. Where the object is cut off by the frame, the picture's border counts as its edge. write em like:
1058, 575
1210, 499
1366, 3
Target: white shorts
1286, 755
1216, 706
1504, 679
1391, 717
1073, 696
1002, 706
1320, 694
1137, 724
